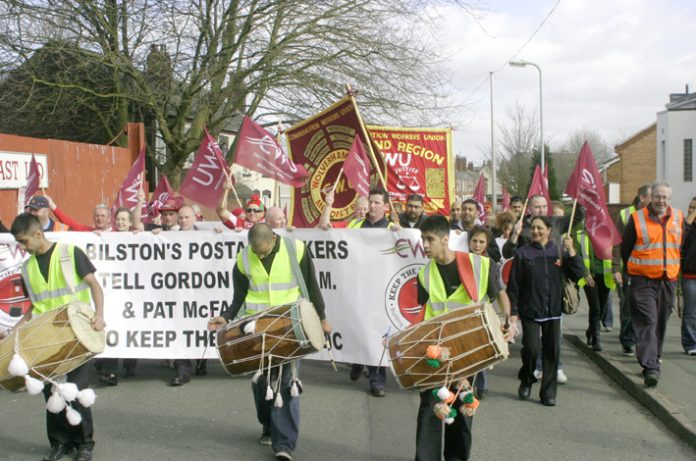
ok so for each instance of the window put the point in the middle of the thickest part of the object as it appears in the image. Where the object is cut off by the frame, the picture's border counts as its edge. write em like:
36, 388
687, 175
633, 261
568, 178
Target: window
688, 160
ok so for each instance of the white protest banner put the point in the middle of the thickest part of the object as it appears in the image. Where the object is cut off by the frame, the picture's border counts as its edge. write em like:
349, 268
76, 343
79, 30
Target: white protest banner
160, 290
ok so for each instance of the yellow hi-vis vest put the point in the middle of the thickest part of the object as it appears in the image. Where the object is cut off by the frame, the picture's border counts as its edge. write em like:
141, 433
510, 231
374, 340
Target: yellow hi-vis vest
584, 241
438, 301
54, 293
625, 213
274, 289
357, 224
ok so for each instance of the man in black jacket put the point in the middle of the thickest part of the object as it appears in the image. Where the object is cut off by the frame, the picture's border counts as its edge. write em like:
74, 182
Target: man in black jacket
413, 217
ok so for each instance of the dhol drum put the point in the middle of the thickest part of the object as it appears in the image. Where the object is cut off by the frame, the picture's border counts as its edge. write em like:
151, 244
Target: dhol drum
52, 344
471, 336
270, 337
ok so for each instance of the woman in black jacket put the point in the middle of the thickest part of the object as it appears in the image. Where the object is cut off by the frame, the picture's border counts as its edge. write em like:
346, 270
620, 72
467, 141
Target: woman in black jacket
536, 295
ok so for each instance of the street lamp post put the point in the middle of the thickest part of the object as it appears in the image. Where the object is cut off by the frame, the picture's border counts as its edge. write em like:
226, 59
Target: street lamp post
523, 63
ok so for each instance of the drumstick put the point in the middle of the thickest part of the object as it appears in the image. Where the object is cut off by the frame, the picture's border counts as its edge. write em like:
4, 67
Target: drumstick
327, 344
384, 345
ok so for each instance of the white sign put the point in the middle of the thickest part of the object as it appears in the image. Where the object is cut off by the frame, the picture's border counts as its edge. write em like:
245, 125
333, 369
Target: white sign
160, 290
14, 169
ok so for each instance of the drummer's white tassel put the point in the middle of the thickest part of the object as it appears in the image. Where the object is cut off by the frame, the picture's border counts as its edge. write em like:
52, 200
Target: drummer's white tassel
449, 420
86, 397
257, 375
269, 393
443, 393
294, 389
55, 403
74, 417
33, 385
249, 327
18, 367
278, 401
68, 391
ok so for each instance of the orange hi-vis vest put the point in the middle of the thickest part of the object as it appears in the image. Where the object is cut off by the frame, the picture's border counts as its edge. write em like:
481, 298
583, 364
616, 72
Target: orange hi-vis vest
656, 251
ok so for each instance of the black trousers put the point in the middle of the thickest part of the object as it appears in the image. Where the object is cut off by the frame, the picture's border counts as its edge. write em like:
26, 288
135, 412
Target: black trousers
59, 430
538, 337
429, 433
626, 335
110, 366
652, 302
597, 300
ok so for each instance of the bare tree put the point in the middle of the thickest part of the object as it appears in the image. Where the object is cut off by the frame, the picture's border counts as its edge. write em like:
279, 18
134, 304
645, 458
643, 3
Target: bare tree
189, 64
601, 149
570, 149
519, 138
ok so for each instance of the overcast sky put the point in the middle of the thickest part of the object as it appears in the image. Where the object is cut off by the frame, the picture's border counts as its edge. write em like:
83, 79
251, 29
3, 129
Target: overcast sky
607, 65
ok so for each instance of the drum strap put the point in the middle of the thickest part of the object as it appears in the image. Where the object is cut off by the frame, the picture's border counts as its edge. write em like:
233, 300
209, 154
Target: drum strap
66, 266
304, 293
468, 277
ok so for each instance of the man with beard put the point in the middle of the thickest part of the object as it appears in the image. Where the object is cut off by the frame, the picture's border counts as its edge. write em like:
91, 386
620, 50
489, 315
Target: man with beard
413, 217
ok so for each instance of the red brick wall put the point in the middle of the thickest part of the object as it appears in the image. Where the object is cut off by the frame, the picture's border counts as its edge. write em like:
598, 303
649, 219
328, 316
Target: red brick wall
80, 175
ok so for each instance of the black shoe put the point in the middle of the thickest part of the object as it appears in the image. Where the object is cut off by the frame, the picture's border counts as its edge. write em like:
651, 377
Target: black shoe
627, 351
481, 393
201, 371
355, 372
596, 345
56, 453
109, 379
180, 380
129, 373
550, 402
84, 454
524, 391
377, 391
651, 379
588, 335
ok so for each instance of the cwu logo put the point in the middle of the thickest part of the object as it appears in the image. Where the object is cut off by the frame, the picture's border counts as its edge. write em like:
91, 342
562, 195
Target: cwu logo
401, 297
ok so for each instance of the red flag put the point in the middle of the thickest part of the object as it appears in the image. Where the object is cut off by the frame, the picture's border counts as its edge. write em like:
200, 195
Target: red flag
506, 199
258, 150
33, 181
540, 186
162, 193
357, 167
585, 185
128, 194
205, 179
480, 197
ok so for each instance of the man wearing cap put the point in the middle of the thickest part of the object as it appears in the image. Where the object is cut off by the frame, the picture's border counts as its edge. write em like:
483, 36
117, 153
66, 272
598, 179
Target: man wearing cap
39, 207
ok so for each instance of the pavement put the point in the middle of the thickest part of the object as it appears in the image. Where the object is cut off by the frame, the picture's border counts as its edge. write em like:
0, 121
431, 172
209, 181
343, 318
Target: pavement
673, 401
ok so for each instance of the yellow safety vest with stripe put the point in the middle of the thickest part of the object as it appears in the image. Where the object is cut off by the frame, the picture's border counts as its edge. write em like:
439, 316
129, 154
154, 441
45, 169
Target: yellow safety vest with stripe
625, 213
585, 244
54, 293
357, 224
438, 301
274, 289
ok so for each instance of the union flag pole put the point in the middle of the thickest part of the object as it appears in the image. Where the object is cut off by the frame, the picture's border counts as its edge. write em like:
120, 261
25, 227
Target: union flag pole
350, 92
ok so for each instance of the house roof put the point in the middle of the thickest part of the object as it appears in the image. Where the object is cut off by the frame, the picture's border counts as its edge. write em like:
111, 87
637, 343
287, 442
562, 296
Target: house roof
637, 136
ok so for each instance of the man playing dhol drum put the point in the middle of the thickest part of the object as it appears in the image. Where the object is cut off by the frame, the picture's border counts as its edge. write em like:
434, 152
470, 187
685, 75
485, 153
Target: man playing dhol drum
263, 278
441, 288
45, 283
